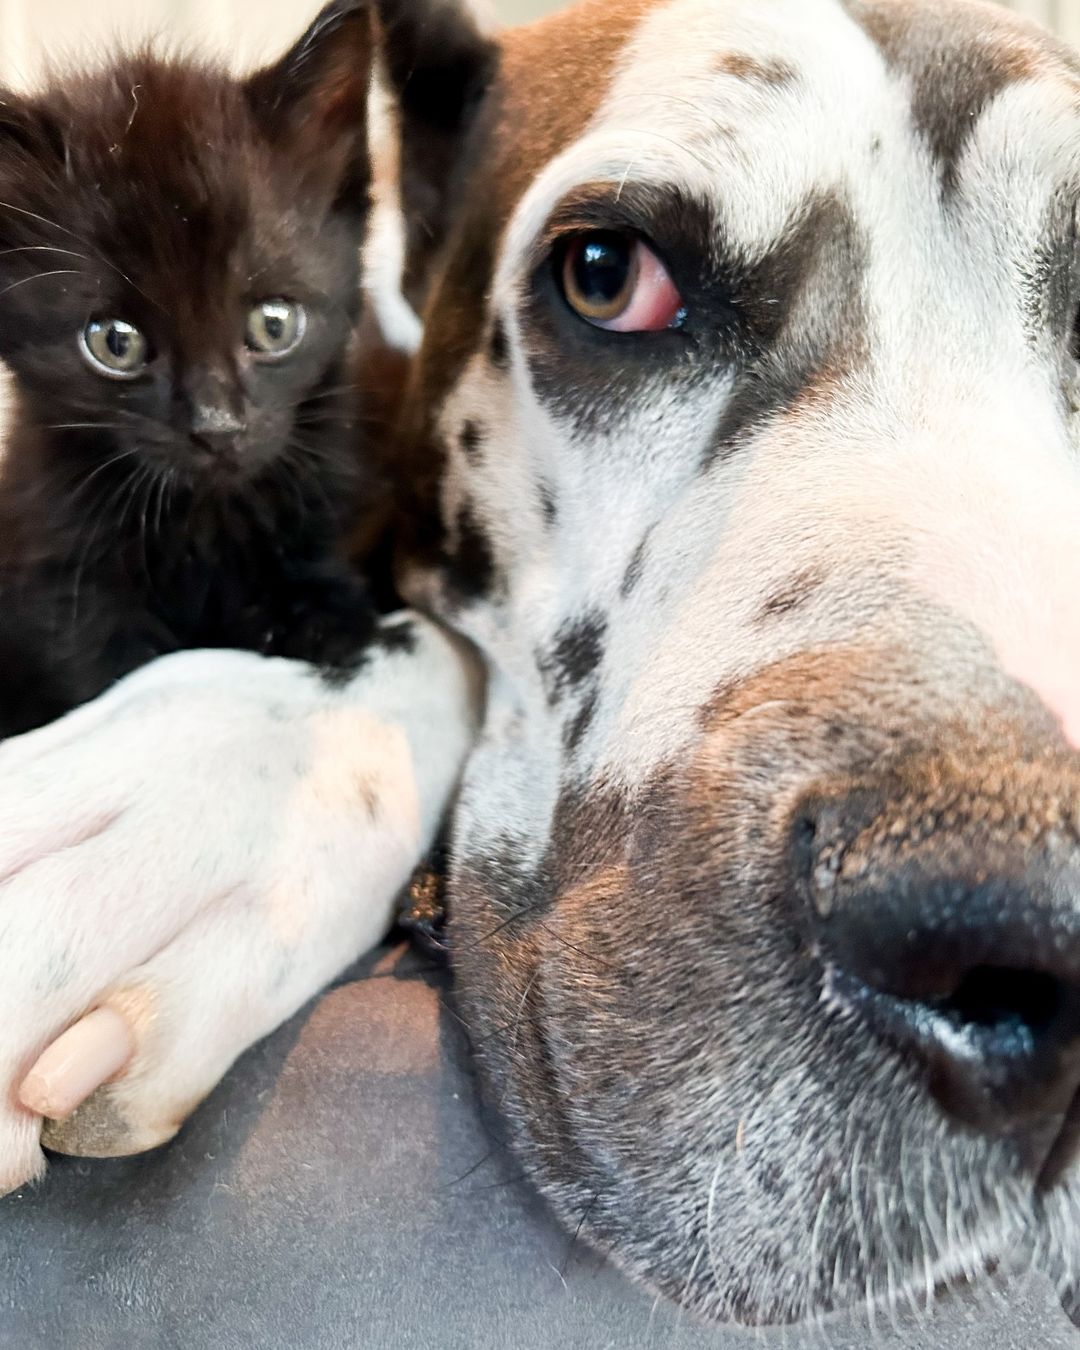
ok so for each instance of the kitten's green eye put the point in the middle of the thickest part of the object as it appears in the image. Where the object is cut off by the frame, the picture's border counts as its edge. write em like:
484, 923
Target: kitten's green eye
275, 327
114, 347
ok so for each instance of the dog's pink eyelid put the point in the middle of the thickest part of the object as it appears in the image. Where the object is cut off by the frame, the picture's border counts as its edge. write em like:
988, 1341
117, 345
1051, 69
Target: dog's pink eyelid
655, 303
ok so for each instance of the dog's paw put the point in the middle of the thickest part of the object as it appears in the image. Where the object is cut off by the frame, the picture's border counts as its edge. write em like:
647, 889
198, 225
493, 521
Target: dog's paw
203, 849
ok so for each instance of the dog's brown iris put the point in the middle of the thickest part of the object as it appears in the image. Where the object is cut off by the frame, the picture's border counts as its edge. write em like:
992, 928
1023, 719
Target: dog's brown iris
599, 274
612, 279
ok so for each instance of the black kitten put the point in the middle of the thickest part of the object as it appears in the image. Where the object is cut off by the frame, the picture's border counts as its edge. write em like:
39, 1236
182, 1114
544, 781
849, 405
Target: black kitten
179, 295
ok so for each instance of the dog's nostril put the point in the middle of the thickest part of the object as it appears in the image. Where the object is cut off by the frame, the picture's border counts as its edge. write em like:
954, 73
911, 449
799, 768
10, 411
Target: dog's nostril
803, 837
1014, 1005
1002, 1050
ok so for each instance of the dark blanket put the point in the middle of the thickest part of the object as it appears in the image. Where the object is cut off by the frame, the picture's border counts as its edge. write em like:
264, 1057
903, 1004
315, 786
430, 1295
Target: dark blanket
343, 1191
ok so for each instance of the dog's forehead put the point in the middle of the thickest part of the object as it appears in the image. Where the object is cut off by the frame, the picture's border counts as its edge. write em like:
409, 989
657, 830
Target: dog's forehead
724, 97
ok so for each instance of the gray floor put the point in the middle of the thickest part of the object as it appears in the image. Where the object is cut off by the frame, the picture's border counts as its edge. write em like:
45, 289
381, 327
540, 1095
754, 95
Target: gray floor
342, 1189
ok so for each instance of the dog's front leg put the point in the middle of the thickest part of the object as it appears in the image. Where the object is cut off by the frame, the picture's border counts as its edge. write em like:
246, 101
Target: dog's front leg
203, 849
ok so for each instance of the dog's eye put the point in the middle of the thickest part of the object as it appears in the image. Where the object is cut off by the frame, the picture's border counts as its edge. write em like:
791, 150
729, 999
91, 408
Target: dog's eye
615, 281
114, 347
275, 327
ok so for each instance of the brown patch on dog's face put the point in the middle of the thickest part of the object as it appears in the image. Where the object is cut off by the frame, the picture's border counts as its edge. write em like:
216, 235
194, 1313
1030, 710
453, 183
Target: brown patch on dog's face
744, 67
520, 127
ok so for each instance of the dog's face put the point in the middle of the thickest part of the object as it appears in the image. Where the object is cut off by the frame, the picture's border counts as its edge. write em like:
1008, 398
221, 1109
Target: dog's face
749, 407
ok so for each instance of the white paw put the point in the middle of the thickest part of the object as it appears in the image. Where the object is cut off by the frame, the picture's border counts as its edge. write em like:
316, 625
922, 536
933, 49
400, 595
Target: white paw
204, 848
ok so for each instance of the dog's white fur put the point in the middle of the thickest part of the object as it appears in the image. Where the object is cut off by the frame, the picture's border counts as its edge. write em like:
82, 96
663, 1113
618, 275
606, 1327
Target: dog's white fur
205, 847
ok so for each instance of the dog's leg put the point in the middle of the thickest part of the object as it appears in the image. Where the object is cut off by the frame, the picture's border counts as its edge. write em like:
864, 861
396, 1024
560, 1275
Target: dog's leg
202, 850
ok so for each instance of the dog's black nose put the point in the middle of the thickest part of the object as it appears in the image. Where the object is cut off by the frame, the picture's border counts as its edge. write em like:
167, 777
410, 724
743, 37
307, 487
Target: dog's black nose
960, 946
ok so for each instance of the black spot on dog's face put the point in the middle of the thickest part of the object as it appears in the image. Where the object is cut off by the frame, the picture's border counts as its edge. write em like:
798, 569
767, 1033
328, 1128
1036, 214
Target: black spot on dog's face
548, 505
472, 439
575, 730
578, 650
499, 349
792, 595
635, 569
471, 567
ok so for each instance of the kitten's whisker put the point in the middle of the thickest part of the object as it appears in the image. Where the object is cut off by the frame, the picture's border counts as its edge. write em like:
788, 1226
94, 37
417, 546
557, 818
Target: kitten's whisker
316, 453
81, 487
104, 506
335, 420
134, 497
52, 224
315, 478
130, 496
325, 467
148, 495
55, 225
295, 483
40, 276
45, 248
333, 392
77, 426
146, 481
166, 482
148, 298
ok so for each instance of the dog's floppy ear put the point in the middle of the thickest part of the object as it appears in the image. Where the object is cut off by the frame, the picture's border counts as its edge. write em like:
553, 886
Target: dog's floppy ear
314, 100
439, 64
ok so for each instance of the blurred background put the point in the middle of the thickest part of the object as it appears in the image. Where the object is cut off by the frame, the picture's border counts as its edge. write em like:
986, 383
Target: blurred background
248, 29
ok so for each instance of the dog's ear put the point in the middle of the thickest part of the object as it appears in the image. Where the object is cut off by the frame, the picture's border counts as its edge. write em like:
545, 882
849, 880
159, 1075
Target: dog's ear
439, 65
314, 100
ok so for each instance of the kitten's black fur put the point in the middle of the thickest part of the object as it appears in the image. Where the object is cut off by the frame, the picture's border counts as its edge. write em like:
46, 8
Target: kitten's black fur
175, 197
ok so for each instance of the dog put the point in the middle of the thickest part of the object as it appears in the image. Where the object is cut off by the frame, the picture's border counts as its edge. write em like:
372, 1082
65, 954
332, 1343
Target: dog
742, 447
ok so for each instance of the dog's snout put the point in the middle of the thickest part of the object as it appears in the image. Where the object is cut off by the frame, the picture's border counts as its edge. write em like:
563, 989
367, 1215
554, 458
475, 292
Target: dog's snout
956, 934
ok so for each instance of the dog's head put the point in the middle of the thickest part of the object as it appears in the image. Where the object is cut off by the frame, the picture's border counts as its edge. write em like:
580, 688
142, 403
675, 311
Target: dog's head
747, 434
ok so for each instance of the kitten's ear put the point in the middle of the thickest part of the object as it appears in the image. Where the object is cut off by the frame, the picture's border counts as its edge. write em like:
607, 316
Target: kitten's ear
313, 101
439, 65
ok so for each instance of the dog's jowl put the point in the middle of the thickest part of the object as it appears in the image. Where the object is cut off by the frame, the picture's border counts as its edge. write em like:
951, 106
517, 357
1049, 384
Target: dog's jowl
748, 414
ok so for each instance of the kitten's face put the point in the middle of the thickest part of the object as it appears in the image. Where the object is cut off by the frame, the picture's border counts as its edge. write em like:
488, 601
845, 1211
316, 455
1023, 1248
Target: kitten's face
178, 254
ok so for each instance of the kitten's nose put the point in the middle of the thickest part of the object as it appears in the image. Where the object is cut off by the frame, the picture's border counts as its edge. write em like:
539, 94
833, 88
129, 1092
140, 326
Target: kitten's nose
216, 426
